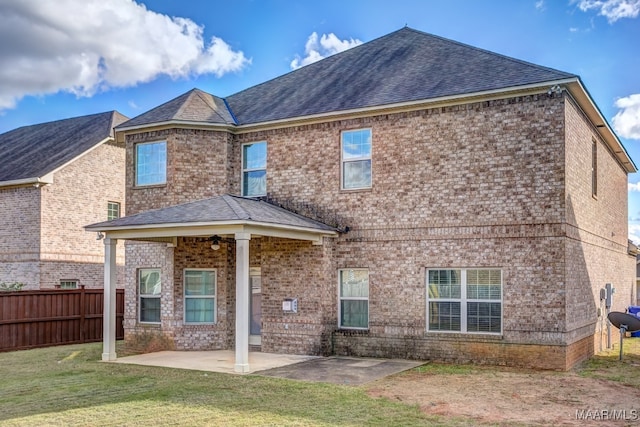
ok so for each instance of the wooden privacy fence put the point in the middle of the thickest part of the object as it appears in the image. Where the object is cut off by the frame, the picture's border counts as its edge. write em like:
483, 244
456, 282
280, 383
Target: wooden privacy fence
47, 317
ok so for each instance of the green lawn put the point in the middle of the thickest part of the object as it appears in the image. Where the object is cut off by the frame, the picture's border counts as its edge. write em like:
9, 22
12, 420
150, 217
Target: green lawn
68, 386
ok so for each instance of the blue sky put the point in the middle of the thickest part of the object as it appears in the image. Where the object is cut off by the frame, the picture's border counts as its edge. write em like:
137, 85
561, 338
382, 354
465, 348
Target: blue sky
67, 58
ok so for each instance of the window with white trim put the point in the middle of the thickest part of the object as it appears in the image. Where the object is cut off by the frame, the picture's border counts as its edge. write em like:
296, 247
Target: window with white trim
356, 159
150, 288
151, 163
254, 169
68, 284
113, 210
354, 298
464, 300
199, 295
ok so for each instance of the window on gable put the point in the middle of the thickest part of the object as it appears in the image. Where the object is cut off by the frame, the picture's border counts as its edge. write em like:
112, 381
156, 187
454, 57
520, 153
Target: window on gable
354, 298
150, 289
464, 300
594, 168
356, 159
113, 210
199, 296
254, 169
151, 163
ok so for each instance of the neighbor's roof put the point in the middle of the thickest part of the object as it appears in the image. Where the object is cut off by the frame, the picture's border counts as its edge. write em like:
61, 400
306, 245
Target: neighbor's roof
219, 209
31, 152
406, 65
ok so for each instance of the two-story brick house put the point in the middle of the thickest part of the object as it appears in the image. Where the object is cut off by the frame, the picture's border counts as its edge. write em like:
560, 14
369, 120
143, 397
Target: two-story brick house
411, 197
55, 178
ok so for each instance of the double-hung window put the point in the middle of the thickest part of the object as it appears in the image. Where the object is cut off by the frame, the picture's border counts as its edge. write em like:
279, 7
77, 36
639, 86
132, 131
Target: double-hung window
199, 296
151, 163
464, 300
356, 159
149, 292
354, 298
254, 169
113, 210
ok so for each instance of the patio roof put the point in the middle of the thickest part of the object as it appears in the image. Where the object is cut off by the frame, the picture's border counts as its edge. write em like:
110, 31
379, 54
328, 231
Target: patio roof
226, 214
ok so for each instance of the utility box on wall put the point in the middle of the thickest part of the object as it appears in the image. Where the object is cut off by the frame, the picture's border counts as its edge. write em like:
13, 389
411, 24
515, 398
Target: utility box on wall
290, 305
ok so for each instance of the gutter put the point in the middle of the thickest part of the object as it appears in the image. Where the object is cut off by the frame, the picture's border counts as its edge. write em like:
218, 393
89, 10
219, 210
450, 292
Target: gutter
35, 181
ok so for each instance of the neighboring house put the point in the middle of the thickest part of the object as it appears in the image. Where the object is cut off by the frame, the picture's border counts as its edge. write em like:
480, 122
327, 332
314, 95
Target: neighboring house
411, 197
55, 178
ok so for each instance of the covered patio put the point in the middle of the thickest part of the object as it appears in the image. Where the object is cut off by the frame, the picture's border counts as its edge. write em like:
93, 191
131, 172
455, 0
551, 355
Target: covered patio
226, 216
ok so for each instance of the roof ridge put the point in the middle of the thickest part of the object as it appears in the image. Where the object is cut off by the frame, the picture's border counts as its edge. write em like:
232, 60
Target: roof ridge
213, 107
235, 206
180, 110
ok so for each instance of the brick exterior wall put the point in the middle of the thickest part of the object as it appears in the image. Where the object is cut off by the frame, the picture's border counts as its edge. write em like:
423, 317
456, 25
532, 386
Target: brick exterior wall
488, 184
199, 165
44, 241
19, 248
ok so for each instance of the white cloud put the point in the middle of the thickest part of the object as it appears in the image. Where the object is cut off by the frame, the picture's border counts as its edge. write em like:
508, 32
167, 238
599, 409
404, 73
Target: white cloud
540, 5
612, 9
327, 45
83, 47
634, 232
573, 30
633, 186
626, 122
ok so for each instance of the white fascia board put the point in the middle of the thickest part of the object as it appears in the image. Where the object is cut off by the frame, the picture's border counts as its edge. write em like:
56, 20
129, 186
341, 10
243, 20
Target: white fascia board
410, 105
581, 95
334, 115
209, 228
121, 132
84, 153
36, 181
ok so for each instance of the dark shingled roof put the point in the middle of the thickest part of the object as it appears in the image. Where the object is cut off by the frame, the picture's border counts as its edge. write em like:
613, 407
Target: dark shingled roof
406, 65
193, 106
216, 209
34, 151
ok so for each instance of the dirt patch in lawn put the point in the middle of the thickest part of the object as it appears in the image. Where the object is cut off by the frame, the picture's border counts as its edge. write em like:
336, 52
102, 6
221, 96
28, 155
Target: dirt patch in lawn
506, 396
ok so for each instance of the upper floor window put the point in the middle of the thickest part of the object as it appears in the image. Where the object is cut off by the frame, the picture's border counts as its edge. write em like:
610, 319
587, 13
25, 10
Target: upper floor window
113, 210
464, 300
356, 159
151, 163
254, 169
354, 298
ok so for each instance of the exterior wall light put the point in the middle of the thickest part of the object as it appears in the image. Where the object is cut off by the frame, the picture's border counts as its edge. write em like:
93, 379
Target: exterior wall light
215, 242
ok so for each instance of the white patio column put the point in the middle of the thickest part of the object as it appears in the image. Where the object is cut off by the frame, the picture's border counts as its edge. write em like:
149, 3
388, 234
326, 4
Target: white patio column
242, 302
109, 314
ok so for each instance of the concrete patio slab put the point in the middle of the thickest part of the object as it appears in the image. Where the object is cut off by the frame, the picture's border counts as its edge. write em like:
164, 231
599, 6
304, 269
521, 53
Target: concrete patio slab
342, 370
335, 369
212, 361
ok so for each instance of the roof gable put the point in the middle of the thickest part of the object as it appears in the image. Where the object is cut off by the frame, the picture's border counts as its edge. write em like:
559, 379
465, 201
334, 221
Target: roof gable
37, 150
194, 106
